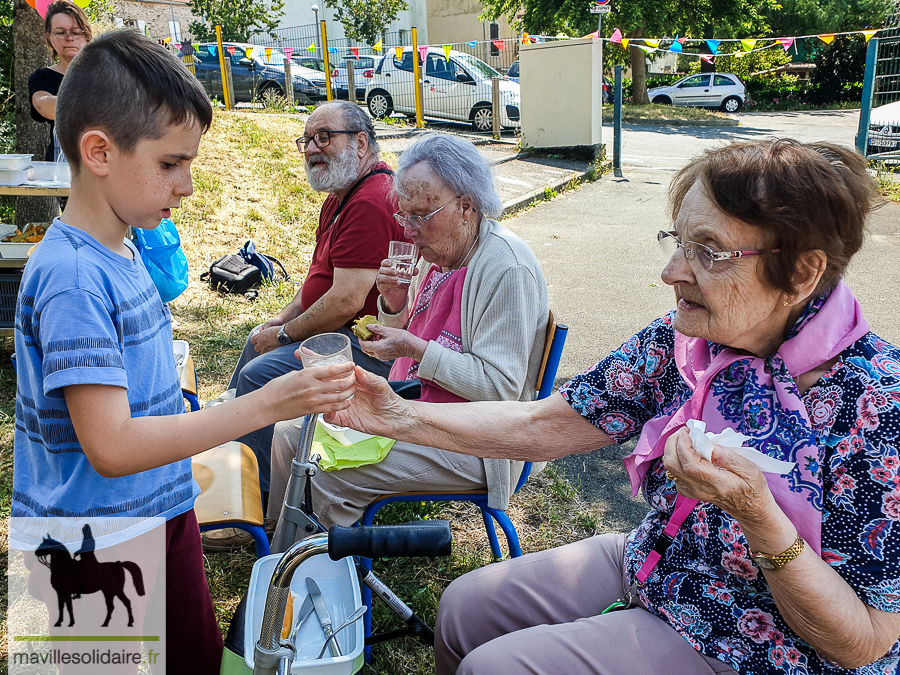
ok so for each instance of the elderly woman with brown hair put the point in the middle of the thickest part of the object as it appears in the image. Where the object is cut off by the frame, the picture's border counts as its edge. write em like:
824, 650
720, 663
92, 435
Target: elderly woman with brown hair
795, 570
67, 30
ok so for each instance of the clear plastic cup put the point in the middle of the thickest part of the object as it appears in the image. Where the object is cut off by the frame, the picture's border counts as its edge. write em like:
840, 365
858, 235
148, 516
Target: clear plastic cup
403, 257
327, 349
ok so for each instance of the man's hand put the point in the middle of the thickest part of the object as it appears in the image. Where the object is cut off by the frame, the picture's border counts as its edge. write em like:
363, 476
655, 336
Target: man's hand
266, 340
392, 343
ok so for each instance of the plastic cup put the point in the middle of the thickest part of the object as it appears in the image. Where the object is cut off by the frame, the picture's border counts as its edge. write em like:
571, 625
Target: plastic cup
403, 257
327, 349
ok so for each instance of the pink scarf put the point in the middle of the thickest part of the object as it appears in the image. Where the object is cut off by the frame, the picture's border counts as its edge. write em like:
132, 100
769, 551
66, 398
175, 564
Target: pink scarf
773, 414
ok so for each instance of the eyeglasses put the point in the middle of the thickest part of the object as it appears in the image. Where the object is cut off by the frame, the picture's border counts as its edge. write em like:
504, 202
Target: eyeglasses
669, 243
418, 222
61, 34
322, 139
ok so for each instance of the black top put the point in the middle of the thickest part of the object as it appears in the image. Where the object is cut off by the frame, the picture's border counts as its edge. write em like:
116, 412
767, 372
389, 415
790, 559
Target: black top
44, 79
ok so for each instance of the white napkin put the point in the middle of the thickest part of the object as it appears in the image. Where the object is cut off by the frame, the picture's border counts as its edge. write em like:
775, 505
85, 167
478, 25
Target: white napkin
733, 440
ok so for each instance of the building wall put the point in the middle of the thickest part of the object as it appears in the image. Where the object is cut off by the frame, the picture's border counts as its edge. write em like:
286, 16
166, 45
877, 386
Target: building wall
300, 13
153, 16
456, 21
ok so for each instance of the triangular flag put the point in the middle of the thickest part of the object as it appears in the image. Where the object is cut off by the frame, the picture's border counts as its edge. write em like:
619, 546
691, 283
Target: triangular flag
868, 33
499, 44
355, 51
447, 52
714, 45
377, 46
652, 43
249, 51
472, 43
786, 42
681, 40
211, 49
268, 54
423, 54
738, 54
196, 46
706, 58
288, 52
229, 49
616, 36
332, 50
676, 46
311, 48
827, 38
748, 45
167, 40
398, 52
647, 49
562, 36
595, 34
525, 39
625, 42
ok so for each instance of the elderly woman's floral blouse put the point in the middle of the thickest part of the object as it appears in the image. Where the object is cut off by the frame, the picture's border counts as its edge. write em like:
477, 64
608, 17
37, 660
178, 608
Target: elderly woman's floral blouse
705, 586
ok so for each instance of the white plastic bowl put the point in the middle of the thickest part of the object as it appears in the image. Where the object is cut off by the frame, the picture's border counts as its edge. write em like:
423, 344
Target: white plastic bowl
344, 435
182, 351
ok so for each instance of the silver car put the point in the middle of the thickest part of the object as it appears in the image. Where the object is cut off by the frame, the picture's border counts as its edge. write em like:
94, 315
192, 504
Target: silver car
724, 91
884, 130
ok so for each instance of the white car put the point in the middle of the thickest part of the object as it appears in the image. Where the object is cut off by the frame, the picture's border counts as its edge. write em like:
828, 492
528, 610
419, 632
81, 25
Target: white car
884, 129
724, 91
457, 88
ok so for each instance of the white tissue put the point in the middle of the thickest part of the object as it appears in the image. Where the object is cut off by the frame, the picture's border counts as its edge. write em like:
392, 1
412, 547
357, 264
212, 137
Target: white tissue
733, 440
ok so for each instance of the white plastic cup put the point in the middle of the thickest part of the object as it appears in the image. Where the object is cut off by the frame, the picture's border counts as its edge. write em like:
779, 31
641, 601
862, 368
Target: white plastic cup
327, 349
403, 257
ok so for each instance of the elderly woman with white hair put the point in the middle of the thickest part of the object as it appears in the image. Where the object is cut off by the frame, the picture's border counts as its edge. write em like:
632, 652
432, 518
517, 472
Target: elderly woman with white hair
470, 326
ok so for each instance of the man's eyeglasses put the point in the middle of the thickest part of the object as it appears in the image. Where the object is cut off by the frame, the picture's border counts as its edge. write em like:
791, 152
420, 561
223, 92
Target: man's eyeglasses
61, 34
418, 222
322, 139
669, 243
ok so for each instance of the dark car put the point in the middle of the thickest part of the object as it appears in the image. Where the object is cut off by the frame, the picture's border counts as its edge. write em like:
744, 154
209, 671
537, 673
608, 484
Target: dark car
254, 75
513, 72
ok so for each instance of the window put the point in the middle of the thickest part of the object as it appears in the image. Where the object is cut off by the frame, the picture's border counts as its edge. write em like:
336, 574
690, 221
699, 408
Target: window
439, 67
495, 35
405, 63
237, 56
205, 57
722, 81
695, 81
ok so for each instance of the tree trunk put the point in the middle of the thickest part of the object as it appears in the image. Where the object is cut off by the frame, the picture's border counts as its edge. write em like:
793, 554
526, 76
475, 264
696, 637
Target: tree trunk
32, 137
638, 71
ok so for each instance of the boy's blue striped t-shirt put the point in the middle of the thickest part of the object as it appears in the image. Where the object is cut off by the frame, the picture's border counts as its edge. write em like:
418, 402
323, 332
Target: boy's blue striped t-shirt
86, 315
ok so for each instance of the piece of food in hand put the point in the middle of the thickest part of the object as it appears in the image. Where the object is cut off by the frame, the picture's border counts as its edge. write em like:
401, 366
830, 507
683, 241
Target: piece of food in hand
360, 327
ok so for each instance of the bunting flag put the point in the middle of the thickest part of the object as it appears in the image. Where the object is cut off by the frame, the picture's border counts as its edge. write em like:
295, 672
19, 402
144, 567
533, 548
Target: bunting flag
377, 46
499, 44
869, 34
827, 38
447, 52
472, 43
82, 3
652, 43
167, 40
196, 46
332, 50
311, 48
525, 39
268, 54
423, 53
748, 45
625, 42
211, 49
786, 42
249, 51
230, 49
738, 54
398, 53
707, 58
288, 52
647, 49
676, 46
595, 34
713, 45
616, 36
355, 51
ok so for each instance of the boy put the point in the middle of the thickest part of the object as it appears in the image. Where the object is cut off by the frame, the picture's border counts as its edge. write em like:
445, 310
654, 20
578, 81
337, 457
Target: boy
98, 429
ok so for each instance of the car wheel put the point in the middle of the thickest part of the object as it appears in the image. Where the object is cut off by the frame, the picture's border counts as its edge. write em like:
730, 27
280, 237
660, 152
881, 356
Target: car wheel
380, 104
662, 100
271, 89
732, 104
482, 117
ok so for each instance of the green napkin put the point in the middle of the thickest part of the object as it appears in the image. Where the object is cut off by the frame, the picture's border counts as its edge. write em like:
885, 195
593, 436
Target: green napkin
338, 456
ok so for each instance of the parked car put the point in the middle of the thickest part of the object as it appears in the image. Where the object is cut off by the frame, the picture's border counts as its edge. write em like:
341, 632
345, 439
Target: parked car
254, 75
724, 91
513, 72
310, 62
456, 88
884, 129
363, 69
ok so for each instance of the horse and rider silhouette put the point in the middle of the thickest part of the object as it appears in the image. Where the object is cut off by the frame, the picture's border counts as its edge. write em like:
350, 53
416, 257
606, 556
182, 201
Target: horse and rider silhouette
71, 578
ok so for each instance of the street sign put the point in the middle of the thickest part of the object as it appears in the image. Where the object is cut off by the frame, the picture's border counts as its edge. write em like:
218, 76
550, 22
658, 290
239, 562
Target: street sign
600, 9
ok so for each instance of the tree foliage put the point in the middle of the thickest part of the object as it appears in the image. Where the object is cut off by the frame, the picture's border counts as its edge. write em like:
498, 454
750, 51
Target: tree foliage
365, 20
811, 17
240, 19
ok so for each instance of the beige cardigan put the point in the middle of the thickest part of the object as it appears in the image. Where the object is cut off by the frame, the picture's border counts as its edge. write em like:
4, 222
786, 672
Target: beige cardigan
505, 309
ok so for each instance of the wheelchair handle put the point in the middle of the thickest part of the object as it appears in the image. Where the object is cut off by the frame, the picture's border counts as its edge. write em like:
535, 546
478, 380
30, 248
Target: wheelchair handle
429, 538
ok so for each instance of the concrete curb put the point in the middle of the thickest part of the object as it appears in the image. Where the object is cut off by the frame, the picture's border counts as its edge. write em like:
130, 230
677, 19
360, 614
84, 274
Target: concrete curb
521, 202
679, 123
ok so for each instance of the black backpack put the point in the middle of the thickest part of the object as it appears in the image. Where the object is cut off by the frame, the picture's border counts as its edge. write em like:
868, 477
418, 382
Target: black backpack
243, 271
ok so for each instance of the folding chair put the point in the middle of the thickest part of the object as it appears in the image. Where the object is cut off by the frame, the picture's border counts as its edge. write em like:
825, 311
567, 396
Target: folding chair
556, 338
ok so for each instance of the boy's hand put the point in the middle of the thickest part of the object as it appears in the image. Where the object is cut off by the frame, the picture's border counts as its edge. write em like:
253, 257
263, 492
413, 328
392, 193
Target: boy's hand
311, 390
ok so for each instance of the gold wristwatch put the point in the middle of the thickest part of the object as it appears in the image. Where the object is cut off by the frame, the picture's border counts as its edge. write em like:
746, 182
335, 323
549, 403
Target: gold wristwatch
775, 562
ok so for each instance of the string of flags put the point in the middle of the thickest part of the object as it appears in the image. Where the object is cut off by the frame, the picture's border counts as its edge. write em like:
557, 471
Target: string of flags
41, 5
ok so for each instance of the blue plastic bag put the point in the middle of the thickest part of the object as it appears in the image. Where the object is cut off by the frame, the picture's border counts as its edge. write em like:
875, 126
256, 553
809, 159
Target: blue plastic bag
161, 252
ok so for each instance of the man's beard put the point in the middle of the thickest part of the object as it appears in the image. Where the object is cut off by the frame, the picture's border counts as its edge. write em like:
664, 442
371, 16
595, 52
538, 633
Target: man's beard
339, 173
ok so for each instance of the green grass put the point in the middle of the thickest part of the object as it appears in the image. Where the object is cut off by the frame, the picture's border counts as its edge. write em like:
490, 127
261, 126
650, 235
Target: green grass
635, 114
888, 178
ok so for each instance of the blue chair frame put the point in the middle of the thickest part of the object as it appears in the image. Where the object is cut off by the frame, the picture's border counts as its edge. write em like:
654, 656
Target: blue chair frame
556, 340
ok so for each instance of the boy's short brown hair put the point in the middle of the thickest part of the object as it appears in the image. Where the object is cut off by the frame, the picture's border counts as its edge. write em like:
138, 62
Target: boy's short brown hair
129, 87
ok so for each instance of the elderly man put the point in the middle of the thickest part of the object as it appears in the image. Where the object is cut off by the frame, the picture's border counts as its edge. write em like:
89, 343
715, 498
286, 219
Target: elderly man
356, 225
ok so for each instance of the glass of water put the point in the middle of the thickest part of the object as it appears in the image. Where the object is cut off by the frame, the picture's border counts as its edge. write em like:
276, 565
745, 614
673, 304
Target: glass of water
403, 257
327, 349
